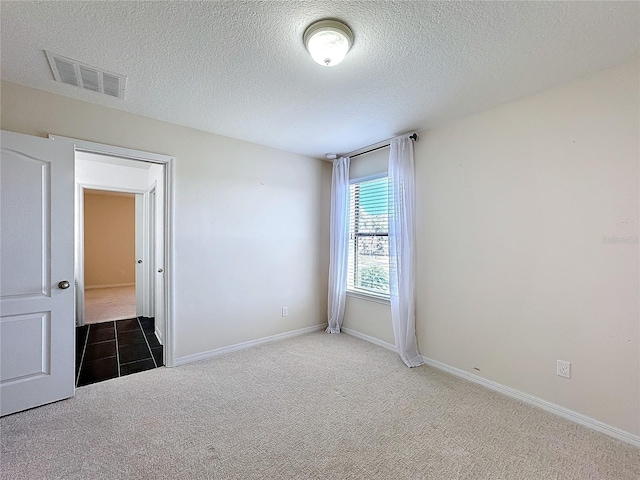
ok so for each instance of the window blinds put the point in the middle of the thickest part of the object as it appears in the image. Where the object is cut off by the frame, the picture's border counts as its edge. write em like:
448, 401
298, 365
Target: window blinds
368, 269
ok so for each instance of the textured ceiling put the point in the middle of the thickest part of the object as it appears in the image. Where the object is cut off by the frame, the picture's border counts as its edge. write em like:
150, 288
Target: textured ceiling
240, 69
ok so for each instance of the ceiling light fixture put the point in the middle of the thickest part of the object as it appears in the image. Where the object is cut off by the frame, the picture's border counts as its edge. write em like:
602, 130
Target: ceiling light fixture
328, 41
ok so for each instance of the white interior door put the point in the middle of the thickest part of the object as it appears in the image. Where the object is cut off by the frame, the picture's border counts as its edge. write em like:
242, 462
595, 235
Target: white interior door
158, 216
151, 242
37, 325
144, 268
158, 254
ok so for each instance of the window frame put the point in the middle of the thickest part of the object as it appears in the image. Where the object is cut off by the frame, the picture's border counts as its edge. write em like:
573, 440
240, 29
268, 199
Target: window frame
354, 291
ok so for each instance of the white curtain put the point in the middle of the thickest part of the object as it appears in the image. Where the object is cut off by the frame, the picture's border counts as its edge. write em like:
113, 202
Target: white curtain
339, 243
402, 249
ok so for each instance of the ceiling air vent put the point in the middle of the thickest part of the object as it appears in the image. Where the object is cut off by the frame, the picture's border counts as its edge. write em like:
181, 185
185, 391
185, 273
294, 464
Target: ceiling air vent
72, 72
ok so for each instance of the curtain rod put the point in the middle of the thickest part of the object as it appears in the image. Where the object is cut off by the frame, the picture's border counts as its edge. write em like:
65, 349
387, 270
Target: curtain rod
413, 137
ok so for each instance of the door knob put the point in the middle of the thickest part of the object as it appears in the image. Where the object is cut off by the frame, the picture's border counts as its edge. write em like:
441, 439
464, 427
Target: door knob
160, 270
139, 261
64, 285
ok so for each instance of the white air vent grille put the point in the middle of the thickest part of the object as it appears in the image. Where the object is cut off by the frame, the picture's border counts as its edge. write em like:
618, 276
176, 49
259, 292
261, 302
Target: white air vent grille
111, 84
90, 79
66, 72
72, 72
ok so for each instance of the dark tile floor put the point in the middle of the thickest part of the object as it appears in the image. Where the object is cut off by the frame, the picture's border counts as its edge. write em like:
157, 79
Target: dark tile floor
113, 349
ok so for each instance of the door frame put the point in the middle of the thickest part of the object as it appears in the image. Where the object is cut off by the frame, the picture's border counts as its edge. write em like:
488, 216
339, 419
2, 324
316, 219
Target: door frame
169, 282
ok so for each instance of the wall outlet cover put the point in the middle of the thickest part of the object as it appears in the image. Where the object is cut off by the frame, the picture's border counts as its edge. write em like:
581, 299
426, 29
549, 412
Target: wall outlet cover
564, 369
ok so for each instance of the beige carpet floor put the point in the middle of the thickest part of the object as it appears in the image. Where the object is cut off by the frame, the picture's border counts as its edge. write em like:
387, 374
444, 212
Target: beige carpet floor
313, 407
108, 304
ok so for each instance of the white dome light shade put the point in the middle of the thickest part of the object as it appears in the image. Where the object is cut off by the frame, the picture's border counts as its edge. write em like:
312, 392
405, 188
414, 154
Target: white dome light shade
328, 41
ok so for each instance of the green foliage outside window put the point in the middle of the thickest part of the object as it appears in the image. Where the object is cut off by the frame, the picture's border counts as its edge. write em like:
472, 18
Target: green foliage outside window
375, 277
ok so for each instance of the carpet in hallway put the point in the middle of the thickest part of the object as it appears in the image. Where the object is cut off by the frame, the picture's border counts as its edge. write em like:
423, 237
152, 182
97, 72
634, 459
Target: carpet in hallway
108, 304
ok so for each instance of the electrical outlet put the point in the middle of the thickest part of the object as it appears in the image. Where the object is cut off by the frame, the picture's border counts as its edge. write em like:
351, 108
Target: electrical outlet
564, 369
285, 311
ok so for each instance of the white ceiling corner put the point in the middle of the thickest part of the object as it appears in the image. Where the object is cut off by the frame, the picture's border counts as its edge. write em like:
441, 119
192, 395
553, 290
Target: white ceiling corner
240, 68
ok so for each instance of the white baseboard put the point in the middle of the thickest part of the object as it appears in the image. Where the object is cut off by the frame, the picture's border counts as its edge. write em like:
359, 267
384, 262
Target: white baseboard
110, 285
517, 394
244, 345
377, 341
540, 403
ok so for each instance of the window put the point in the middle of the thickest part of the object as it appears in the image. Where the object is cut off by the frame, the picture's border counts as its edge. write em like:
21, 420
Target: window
368, 270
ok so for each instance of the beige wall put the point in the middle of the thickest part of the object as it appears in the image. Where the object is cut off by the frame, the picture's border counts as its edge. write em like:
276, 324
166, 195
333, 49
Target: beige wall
369, 317
248, 235
513, 273
109, 239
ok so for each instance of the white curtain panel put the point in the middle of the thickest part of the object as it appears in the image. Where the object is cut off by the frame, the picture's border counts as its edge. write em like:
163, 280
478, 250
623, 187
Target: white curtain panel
402, 249
339, 243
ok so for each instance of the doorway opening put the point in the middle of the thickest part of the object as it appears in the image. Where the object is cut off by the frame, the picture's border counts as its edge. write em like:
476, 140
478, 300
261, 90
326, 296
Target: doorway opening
120, 258
110, 230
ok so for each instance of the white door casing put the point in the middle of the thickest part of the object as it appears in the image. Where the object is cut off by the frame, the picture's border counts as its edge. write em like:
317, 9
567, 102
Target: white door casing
151, 241
163, 167
37, 325
140, 267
